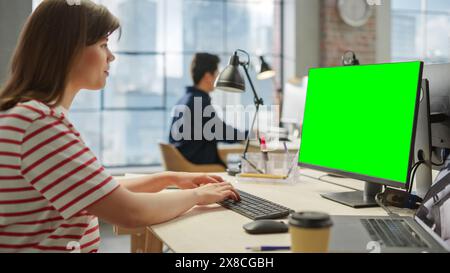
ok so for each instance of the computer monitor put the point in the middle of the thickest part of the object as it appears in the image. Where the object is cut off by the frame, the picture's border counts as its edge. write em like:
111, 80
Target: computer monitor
360, 122
438, 76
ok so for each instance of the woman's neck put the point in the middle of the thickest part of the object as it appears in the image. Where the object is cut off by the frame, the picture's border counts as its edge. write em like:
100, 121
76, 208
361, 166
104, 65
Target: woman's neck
69, 96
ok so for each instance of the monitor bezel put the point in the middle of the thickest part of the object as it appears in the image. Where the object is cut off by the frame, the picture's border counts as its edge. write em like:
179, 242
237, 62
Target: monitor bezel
372, 179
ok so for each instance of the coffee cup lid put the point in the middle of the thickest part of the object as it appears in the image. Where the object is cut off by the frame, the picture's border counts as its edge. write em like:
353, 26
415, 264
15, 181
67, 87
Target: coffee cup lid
309, 219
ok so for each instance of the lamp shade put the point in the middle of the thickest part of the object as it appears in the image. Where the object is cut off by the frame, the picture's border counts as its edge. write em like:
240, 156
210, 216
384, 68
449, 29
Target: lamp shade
230, 79
266, 71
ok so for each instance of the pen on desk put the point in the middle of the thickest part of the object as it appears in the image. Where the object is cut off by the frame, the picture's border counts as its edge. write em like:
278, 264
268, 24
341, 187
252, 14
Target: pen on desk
268, 248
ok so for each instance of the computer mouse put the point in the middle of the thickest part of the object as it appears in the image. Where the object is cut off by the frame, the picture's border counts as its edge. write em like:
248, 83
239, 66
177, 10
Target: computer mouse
266, 227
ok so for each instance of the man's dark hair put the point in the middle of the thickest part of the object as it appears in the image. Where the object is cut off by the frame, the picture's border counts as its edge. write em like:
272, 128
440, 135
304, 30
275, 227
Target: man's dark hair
202, 64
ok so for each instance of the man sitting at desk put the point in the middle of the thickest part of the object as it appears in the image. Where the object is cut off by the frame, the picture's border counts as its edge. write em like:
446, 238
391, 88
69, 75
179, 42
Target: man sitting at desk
196, 129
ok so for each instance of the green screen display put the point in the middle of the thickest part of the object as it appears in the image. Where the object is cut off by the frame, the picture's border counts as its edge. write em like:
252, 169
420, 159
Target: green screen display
360, 119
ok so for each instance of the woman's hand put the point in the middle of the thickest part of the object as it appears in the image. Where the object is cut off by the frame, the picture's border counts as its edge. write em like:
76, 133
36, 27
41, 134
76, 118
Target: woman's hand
192, 181
217, 192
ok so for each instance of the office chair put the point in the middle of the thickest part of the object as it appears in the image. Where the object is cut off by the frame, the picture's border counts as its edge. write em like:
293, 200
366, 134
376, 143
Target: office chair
174, 161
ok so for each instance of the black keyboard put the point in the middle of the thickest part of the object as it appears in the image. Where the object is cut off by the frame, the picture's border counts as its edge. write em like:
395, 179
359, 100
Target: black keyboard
393, 233
256, 208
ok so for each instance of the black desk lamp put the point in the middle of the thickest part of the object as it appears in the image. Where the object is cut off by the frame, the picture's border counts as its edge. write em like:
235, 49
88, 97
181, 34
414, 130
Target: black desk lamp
266, 71
349, 58
231, 80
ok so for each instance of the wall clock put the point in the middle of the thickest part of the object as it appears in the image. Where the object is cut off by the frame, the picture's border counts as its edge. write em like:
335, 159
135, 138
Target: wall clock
355, 13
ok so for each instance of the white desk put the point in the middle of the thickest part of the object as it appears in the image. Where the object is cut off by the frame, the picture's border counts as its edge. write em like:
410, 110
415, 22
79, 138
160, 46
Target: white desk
215, 229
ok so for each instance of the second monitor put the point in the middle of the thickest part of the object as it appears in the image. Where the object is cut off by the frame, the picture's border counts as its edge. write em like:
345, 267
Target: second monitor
360, 122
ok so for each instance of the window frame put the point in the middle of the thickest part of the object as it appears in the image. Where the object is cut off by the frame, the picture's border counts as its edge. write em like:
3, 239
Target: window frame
103, 109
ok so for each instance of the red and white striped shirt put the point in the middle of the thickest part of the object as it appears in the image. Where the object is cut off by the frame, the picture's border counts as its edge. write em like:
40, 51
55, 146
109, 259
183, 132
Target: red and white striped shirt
48, 177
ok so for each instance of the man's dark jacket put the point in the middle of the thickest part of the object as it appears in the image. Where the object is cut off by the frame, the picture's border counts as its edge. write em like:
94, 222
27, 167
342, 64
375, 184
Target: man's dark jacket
199, 148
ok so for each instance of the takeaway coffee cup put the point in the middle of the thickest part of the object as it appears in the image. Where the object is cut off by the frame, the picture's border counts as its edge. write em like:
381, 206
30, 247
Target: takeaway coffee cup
310, 232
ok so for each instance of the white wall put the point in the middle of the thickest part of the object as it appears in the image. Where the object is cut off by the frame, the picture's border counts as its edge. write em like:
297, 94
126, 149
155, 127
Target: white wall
302, 36
383, 46
13, 14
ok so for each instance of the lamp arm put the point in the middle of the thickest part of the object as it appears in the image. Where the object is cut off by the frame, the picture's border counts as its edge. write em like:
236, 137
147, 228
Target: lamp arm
247, 143
246, 54
258, 101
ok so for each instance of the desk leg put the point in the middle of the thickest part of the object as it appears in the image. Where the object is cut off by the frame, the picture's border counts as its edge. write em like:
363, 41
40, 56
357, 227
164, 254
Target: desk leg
138, 242
137, 238
152, 243
142, 240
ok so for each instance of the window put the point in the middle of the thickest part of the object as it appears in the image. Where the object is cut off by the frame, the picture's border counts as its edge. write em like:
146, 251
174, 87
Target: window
124, 123
421, 30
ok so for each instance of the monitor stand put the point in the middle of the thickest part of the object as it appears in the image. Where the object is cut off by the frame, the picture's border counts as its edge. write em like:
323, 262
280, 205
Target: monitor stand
357, 199
423, 179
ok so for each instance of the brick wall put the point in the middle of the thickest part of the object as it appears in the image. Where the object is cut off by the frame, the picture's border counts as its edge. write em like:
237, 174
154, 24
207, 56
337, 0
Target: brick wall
338, 37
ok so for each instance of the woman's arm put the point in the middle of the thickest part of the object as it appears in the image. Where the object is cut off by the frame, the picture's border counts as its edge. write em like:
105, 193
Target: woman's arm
158, 182
134, 210
148, 183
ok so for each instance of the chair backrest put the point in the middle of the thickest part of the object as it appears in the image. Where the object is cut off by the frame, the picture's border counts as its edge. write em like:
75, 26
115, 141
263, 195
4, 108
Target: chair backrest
174, 161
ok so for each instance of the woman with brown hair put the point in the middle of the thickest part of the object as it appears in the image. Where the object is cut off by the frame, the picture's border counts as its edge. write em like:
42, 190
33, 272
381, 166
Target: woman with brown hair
52, 188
